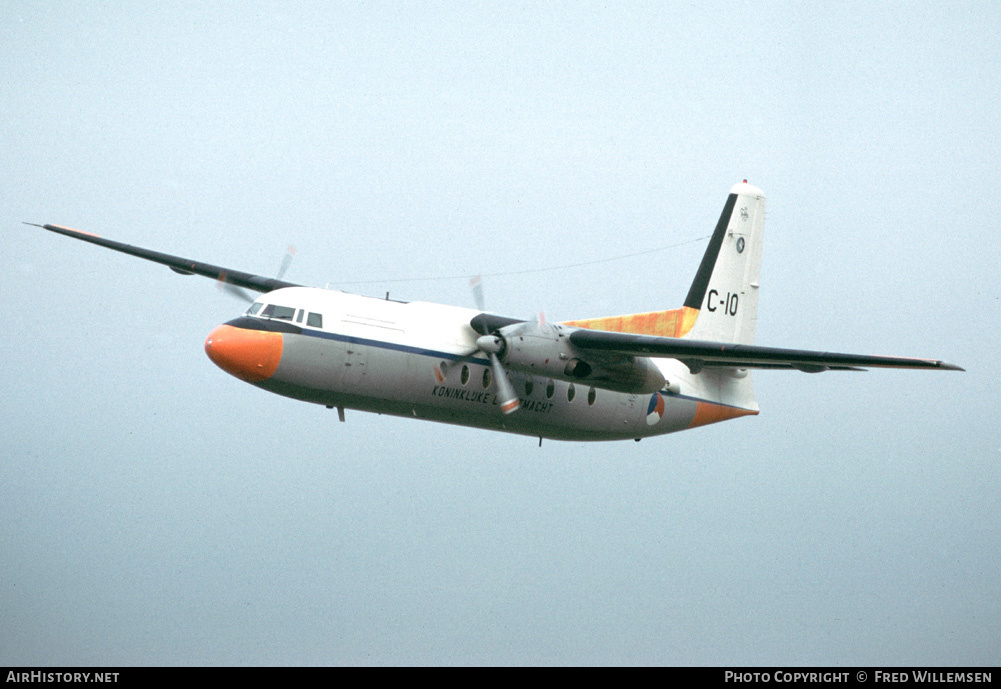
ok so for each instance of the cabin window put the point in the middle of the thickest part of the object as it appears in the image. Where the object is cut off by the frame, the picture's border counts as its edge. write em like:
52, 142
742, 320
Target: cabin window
464, 377
529, 386
298, 316
591, 396
486, 378
254, 308
550, 388
284, 313
314, 320
571, 392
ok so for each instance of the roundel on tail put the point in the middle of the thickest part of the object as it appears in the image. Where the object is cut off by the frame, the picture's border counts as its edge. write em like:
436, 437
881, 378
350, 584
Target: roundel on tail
655, 410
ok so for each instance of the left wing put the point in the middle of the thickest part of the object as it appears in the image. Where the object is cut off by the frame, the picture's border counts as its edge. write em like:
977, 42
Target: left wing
184, 266
697, 354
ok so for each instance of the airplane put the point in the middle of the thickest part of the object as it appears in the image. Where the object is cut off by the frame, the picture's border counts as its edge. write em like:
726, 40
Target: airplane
594, 379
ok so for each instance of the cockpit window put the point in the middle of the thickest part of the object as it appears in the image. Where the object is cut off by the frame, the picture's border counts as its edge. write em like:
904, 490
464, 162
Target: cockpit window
284, 313
254, 308
314, 320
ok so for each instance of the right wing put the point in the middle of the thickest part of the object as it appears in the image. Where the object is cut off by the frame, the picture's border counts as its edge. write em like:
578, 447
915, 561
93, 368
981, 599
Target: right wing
697, 354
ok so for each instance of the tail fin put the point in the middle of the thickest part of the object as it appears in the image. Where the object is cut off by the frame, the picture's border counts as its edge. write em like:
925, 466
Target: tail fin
725, 290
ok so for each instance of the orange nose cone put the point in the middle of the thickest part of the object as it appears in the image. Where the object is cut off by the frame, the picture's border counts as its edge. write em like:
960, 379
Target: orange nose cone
250, 355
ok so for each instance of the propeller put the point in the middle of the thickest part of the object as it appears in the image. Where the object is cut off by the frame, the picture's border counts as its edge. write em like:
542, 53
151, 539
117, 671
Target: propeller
493, 346
233, 290
243, 294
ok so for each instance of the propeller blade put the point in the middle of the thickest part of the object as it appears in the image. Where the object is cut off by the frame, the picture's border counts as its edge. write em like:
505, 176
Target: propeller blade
493, 345
233, 290
476, 285
286, 261
243, 294
509, 401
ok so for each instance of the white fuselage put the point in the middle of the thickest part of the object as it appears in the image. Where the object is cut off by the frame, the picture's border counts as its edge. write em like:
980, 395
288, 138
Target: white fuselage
419, 360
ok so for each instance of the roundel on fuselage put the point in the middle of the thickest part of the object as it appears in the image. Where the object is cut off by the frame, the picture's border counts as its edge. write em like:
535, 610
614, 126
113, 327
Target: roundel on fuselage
655, 410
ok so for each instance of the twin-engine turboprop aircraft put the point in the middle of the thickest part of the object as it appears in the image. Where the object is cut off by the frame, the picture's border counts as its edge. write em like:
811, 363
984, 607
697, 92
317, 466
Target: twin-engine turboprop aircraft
595, 379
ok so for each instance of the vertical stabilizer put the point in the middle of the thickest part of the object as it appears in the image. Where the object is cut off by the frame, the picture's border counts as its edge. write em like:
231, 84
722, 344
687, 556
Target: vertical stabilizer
725, 289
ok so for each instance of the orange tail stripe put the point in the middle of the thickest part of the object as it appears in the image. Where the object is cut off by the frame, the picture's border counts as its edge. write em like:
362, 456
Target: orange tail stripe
672, 323
707, 412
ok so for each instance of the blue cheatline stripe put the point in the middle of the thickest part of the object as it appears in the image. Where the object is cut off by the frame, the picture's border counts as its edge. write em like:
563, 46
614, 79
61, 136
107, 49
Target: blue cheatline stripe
438, 354
409, 349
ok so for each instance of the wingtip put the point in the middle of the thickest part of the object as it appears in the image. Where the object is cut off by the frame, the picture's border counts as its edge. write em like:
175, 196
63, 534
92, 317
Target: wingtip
33, 224
946, 366
62, 229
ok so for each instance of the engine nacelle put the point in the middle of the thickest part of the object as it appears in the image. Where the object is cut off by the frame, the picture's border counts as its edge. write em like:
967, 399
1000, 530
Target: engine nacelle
544, 350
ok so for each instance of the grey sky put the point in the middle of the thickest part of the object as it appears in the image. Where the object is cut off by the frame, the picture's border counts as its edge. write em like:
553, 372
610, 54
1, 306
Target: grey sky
154, 510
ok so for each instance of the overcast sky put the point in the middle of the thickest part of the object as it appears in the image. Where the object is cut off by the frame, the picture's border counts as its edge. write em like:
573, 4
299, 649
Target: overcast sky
155, 510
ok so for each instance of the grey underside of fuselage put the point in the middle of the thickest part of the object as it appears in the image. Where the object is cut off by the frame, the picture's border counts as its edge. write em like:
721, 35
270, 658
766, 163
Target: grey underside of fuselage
428, 384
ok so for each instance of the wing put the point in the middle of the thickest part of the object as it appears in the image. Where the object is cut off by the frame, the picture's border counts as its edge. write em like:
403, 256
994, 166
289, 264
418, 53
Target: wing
184, 266
697, 354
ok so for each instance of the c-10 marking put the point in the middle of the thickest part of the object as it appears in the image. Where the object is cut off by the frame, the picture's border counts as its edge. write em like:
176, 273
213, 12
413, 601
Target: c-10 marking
729, 304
